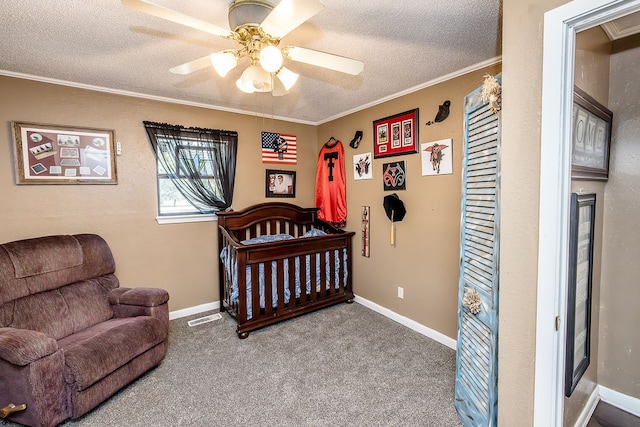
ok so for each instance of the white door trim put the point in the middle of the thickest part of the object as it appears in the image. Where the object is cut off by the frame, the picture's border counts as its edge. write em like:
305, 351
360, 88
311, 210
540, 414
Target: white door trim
560, 27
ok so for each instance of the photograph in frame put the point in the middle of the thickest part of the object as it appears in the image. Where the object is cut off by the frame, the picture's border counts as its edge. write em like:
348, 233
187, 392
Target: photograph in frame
58, 154
394, 176
396, 135
362, 166
280, 183
437, 157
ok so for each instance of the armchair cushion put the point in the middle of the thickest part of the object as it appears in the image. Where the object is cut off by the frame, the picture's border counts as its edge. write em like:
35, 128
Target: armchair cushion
53, 253
95, 352
21, 347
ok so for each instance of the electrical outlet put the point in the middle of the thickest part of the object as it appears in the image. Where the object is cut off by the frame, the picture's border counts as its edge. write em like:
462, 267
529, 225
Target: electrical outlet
400, 292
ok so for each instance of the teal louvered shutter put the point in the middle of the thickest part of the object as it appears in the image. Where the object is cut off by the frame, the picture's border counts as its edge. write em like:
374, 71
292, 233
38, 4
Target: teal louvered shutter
476, 388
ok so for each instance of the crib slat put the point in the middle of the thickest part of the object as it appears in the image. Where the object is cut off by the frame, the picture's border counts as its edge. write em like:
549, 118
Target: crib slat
255, 291
242, 290
340, 270
333, 273
304, 278
323, 274
280, 269
314, 277
292, 282
268, 289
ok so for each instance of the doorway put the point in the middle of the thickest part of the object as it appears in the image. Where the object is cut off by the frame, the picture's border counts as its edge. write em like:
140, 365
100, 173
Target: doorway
560, 27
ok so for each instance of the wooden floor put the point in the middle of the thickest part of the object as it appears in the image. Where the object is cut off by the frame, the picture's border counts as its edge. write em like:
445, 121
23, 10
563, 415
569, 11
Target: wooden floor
606, 415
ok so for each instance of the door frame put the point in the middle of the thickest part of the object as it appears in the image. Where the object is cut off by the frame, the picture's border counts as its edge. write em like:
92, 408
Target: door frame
560, 27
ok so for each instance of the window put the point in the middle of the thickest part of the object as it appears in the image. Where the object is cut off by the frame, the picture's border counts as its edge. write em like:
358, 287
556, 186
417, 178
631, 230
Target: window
195, 168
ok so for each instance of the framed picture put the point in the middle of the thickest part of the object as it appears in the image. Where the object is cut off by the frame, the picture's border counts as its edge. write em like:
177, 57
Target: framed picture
362, 166
54, 154
396, 135
591, 138
581, 237
279, 183
437, 157
394, 176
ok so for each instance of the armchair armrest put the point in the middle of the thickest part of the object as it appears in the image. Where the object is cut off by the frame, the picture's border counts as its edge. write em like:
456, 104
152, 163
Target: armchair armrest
21, 346
132, 302
145, 297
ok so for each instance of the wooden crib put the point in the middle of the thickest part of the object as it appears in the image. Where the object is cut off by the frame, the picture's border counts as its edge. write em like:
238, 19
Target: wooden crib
306, 260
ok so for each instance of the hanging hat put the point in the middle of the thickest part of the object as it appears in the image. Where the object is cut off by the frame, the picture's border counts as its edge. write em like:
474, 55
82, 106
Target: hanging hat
394, 207
395, 210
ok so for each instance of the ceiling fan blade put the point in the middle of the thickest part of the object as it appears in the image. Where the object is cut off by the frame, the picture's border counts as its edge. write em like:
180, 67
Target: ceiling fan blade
192, 66
288, 15
173, 16
324, 60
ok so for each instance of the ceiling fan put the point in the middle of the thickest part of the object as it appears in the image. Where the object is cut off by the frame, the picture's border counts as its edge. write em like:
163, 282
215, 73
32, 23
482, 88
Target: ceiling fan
258, 26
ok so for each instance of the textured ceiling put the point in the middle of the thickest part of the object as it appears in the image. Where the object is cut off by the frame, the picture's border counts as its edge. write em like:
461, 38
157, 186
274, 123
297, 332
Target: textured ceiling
404, 44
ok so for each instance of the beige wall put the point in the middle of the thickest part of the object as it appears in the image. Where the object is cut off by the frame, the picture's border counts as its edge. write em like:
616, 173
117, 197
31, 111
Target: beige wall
522, 39
619, 339
425, 259
591, 74
179, 257
591, 66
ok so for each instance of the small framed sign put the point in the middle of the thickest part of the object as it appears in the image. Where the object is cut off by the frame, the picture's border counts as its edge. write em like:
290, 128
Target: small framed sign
591, 138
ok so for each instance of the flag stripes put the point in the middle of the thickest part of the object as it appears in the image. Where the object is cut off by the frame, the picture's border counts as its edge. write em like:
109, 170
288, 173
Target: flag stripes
279, 148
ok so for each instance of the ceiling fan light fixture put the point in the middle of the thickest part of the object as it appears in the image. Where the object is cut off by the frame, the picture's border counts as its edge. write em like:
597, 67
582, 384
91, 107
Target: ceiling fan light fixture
245, 89
224, 61
256, 77
287, 77
248, 12
271, 58
278, 88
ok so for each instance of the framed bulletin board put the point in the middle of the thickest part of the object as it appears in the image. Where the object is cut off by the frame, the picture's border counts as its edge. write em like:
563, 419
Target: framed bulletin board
55, 154
581, 235
591, 138
396, 135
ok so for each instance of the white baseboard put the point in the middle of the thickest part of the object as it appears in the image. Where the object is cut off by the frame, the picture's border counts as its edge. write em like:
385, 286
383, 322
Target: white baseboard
194, 310
587, 412
619, 400
411, 324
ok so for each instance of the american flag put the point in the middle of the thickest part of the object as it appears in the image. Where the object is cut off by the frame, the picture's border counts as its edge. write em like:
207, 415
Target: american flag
279, 148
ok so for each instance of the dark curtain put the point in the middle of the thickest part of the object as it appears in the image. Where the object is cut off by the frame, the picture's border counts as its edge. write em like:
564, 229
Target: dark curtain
200, 162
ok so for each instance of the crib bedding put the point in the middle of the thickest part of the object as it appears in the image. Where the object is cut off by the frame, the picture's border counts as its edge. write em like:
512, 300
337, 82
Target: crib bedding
291, 263
231, 268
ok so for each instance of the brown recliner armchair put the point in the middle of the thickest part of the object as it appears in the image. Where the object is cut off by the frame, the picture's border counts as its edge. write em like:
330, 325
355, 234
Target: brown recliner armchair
70, 337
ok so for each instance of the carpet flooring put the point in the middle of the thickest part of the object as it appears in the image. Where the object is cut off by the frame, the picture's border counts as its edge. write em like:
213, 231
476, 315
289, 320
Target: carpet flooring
342, 366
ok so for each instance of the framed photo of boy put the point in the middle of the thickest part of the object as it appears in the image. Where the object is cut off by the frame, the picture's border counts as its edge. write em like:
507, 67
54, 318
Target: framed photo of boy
280, 183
